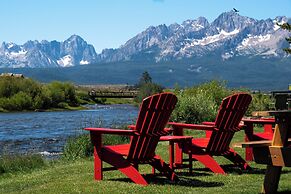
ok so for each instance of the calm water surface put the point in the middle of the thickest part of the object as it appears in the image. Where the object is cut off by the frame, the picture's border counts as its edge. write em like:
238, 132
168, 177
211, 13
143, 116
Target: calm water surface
46, 132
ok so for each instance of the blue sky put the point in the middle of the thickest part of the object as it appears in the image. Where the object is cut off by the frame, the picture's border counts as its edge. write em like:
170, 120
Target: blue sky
110, 23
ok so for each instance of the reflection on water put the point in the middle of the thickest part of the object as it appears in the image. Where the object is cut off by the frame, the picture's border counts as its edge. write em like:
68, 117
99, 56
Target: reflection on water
47, 132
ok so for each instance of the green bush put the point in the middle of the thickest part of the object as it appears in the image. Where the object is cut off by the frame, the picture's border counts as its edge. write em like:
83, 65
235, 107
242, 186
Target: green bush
83, 98
21, 101
195, 108
18, 94
62, 92
199, 103
20, 163
261, 102
148, 89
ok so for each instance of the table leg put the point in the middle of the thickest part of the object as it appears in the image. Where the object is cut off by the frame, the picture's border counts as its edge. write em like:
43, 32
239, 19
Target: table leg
179, 154
248, 134
171, 156
272, 178
268, 128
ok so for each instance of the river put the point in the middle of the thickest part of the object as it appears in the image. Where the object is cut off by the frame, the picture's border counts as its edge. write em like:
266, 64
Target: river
47, 132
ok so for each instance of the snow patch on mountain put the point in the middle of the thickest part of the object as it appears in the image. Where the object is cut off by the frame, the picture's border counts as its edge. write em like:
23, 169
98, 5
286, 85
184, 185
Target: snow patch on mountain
66, 61
227, 55
20, 53
217, 37
83, 62
254, 40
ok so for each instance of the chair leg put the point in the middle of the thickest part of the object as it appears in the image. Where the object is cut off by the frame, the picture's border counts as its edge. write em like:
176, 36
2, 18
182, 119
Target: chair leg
160, 165
237, 159
98, 169
98, 172
123, 166
209, 162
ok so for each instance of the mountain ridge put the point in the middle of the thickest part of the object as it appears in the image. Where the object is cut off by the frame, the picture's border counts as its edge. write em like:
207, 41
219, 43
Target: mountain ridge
229, 35
73, 51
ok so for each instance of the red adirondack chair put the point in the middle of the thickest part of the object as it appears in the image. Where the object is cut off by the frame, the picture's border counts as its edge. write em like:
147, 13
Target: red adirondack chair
153, 117
218, 135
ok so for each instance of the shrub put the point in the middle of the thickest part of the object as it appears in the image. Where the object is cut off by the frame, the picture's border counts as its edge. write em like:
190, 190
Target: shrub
148, 89
195, 108
16, 163
26, 94
78, 147
62, 92
199, 103
261, 102
43, 100
21, 101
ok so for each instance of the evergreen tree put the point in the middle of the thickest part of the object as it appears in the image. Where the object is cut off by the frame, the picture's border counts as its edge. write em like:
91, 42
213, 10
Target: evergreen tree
287, 26
145, 79
147, 87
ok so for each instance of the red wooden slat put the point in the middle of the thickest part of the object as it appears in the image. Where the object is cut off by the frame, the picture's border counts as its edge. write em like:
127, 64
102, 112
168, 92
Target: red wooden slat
153, 117
150, 135
143, 130
227, 121
159, 122
162, 119
141, 115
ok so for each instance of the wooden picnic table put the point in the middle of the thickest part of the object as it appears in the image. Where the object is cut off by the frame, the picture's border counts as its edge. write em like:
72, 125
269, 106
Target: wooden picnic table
250, 135
276, 153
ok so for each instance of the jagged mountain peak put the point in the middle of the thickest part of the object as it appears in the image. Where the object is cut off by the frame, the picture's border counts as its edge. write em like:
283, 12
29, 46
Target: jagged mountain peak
75, 38
71, 52
195, 25
230, 21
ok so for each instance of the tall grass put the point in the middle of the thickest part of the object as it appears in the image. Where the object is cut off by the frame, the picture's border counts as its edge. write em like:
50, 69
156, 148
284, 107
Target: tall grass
20, 163
80, 146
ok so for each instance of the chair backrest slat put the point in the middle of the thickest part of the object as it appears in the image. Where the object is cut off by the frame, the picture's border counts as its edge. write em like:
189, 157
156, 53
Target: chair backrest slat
154, 114
230, 113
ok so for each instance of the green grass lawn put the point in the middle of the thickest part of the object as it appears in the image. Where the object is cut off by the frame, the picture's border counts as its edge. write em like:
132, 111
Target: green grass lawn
77, 177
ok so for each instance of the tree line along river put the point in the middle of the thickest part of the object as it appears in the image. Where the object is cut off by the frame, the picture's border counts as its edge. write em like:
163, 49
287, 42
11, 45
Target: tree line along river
47, 132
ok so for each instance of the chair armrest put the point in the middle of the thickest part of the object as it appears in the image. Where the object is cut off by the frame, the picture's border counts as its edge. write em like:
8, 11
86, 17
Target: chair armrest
252, 144
241, 125
166, 131
208, 123
175, 138
112, 131
193, 126
132, 127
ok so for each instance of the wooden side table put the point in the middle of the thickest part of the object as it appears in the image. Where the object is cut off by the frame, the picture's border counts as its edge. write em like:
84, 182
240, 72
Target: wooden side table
178, 142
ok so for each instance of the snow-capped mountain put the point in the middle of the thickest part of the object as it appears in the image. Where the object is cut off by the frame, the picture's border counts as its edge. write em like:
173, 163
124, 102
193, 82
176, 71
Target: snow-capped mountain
227, 36
71, 52
230, 35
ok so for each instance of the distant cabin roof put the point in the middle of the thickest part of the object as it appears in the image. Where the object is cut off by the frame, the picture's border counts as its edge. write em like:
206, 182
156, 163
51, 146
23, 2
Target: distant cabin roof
12, 75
